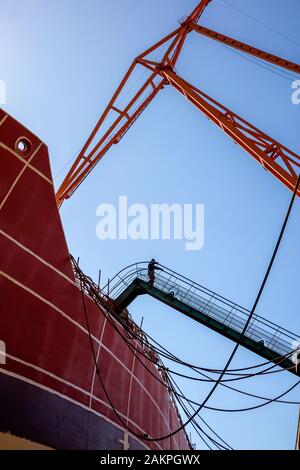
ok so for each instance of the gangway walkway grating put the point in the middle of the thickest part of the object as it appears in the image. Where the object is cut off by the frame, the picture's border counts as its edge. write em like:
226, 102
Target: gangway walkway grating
208, 308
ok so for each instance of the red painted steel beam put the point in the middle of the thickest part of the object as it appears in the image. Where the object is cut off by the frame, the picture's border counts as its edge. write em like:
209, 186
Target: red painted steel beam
85, 163
241, 46
274, 157
98, 144
195, 15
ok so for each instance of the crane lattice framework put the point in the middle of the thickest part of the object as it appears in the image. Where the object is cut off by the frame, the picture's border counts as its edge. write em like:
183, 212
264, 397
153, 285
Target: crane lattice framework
116, 120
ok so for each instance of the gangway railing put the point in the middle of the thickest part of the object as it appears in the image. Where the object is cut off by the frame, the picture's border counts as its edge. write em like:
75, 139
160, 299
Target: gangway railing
262, 336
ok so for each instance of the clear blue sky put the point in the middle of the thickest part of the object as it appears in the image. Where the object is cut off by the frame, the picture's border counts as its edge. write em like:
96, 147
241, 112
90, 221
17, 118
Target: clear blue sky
62, 60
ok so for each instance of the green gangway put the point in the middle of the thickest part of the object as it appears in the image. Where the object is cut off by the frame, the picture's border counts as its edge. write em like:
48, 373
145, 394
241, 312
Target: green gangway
262, 336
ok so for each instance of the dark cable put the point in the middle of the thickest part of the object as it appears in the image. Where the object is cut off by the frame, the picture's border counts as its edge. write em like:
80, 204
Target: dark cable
132, 348
176, 386
191, 418
249, 317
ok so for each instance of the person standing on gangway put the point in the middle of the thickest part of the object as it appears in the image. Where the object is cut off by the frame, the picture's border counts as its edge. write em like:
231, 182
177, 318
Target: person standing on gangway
152, 266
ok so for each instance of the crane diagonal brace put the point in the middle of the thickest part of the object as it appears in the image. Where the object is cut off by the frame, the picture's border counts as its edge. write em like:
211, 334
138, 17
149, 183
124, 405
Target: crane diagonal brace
274, 157
85, 162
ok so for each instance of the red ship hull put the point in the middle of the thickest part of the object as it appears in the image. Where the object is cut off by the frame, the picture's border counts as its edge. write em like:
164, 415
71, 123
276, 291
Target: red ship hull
49, 389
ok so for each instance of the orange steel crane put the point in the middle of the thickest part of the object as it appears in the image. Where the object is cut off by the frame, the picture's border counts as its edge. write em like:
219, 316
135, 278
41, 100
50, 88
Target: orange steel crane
116, 119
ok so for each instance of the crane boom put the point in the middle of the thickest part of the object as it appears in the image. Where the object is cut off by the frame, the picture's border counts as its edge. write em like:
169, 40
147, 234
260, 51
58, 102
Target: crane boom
117, 119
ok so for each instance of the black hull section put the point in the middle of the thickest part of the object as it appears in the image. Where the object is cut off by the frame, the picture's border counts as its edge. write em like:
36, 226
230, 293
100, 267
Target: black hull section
40, 416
